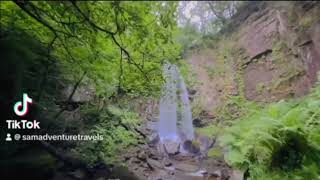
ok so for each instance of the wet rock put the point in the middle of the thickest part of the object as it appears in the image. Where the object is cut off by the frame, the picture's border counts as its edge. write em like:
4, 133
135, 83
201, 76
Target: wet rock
186, 167
169, 168
198, 123
191, 147
201, 173
167, 163
154, 163
192, 92
153, 139
171, 148
216, 174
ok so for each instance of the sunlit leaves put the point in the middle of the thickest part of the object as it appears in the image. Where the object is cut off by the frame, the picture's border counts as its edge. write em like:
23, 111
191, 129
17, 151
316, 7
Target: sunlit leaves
82, 39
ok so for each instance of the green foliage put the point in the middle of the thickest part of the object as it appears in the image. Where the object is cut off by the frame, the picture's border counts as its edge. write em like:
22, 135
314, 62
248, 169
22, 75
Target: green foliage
235, 107
209, 131
280, 141
197, 106
120, 45
188, 37
187, 73
112, 125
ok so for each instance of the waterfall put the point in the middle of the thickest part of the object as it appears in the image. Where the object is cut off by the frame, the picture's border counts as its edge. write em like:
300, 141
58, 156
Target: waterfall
175, 113
168, 106
185, 110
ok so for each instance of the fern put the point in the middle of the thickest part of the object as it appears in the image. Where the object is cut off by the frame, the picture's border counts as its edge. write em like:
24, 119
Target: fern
279, 141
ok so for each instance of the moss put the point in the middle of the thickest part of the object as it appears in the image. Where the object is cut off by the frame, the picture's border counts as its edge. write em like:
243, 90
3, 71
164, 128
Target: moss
260, 87
278, 49
209, 131
305, 22
287, 78
241, 85
196, 144
215, 71
215, 153
197, 106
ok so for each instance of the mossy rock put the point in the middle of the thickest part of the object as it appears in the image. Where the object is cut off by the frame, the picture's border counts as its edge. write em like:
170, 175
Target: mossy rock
215, 153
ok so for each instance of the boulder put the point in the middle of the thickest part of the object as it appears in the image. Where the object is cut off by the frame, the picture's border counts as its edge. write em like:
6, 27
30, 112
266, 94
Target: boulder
198, 123
167, 162
153, 139
171, 148
154, 164
191, 147
216, 174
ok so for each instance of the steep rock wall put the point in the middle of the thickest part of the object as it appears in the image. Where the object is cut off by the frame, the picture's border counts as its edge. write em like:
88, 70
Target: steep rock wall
270, 51
282, 44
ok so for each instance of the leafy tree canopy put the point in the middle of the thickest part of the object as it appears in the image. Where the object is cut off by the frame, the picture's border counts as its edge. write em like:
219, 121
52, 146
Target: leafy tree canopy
121, 46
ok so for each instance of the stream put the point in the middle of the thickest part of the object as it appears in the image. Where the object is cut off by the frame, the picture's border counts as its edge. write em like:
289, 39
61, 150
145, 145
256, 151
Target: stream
174, 150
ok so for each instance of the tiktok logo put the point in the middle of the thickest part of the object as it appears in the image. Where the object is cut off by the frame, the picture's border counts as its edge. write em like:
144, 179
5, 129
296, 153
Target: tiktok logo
21, 108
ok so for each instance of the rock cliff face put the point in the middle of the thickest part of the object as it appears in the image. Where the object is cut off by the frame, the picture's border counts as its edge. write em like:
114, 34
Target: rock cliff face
282, 44
273, 46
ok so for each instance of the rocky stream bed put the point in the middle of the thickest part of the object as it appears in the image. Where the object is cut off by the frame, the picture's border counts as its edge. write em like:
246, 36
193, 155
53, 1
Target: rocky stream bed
157, 160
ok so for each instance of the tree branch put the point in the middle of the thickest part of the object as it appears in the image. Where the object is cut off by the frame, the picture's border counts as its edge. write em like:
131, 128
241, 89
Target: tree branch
113, 37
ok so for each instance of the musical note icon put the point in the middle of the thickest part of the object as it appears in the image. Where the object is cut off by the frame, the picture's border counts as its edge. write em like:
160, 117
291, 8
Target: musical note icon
21, 108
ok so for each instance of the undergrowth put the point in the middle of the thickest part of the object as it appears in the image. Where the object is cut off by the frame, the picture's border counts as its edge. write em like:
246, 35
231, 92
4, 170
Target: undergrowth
117, 128
279, 141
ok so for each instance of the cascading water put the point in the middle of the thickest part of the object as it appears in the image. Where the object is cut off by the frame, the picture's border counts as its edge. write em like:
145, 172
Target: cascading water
174, 108
185, 110
168, 106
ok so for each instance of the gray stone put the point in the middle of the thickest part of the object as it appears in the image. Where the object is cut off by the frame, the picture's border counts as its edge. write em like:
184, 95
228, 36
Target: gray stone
205, 142
237, 175
216, 173
186, 167
135, 160
167, 163
142, 156
171, 148
155, 164
153, 139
